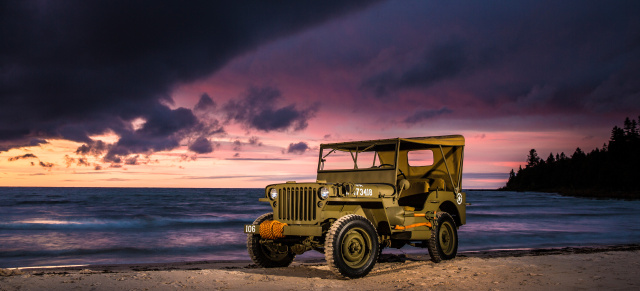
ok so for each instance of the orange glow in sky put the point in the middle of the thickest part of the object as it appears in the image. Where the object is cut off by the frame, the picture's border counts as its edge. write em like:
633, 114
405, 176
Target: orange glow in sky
251, 166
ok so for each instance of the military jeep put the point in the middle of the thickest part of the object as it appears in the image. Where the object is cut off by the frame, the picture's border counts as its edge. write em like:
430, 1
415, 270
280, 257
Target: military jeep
368, 195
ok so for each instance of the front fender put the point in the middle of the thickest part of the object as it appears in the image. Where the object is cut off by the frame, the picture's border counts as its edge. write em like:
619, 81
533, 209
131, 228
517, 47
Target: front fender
372, 209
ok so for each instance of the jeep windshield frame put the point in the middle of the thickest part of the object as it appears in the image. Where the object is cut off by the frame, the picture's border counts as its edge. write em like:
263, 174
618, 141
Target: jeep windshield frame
381, 169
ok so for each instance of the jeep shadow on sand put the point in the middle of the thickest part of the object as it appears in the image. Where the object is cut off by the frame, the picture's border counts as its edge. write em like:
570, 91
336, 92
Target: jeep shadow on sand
368, 195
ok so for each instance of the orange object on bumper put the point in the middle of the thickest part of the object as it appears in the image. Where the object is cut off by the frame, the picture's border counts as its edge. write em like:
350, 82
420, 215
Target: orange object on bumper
272, 229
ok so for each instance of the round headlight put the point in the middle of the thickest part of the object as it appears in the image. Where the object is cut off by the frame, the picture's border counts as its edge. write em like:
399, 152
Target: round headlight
324, 193
273, 193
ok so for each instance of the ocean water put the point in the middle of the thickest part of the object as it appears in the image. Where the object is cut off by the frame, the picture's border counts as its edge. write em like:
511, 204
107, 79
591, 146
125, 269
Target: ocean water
72, 226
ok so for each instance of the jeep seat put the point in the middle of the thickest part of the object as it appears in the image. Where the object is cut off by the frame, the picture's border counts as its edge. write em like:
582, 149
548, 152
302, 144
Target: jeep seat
417, 187
418, 192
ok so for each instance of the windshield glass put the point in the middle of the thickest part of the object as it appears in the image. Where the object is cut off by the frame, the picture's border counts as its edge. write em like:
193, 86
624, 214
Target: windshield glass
357, 157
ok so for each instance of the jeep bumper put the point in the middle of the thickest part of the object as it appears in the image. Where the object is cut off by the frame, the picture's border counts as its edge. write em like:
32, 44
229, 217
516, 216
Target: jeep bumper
293, 230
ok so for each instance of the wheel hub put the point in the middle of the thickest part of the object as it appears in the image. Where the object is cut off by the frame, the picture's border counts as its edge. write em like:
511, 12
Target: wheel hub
354, 247
446, 238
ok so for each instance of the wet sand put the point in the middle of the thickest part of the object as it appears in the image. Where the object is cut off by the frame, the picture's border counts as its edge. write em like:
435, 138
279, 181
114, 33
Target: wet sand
588, 268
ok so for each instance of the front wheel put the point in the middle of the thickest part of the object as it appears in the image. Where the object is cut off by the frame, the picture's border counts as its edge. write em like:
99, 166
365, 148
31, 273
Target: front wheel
351, 246
267, 255
443, 244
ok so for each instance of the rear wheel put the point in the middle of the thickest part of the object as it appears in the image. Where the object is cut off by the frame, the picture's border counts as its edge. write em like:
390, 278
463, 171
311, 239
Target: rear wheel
351, 246
443, 244
267, 255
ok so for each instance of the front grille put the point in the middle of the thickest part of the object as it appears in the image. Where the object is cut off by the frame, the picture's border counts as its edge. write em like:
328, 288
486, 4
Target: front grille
297, 203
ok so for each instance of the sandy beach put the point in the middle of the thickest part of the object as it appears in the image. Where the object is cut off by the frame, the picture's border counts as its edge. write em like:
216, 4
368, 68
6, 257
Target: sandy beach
589, 268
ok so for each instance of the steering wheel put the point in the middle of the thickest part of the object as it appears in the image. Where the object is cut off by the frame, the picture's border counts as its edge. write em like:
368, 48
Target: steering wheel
390, 165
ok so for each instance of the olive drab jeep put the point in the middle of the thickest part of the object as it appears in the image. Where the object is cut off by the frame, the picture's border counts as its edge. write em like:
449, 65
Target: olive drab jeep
368, 195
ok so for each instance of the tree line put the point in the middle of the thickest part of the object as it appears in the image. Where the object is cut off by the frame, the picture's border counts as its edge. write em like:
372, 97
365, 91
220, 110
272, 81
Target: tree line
610, 172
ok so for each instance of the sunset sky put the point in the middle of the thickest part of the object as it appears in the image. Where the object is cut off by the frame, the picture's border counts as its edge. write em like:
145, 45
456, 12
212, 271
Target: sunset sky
242, 93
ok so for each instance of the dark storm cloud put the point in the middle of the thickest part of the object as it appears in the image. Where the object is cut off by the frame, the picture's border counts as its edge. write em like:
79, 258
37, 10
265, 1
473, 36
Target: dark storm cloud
237, 145
95, 148
255, 141
524, 57
439, 63
298, 148
83, 162
133, 160
201, 146
205, 103
258, 109
72, 69
164, 130
20, 142
442, 62
25, 156
208, 125
46, 165
423, 115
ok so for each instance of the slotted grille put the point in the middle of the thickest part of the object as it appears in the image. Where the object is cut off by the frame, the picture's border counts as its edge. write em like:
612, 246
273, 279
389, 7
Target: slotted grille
297, 203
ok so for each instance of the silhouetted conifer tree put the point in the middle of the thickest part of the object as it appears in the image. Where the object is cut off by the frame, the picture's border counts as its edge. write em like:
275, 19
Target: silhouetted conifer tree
562, 156
533, 159
550, 159
601, 172
578, 154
